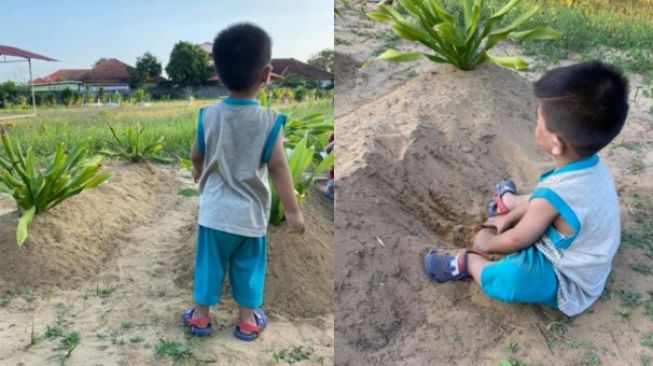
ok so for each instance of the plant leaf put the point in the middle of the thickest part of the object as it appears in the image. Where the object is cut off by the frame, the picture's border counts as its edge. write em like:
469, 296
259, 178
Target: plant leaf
512, 62
396, 56
23, 224
536, 34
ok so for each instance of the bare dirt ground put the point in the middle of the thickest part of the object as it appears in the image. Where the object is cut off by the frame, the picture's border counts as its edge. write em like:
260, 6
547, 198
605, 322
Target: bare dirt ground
116, 265
420, 148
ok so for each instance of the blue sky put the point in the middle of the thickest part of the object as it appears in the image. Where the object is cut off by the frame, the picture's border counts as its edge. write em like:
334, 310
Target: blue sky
79, 32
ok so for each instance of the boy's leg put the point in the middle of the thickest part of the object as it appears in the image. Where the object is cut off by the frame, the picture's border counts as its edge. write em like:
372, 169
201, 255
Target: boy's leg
475, 265
523, 277
247, 275
213, 251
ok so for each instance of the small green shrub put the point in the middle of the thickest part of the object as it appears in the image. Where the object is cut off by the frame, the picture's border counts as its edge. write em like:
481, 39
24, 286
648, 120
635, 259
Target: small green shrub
67, 97
133, 148
299, 160
140, 95
36, 190
463, 40
49, 100
300, 93
21, 102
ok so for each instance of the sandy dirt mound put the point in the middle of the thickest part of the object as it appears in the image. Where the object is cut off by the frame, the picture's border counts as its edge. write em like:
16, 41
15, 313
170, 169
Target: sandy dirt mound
300, 271
146, 279
75, 239
416, 168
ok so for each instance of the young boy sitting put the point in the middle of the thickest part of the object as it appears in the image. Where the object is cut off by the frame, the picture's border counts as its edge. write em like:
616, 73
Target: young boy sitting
237, 143
560, 239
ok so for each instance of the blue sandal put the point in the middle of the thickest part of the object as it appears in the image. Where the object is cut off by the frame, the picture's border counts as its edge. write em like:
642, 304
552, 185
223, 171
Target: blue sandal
200, 327
497, 207
438, 266
253, 331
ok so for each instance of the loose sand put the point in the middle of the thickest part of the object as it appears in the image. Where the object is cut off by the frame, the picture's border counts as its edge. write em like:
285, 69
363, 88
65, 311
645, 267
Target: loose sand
418, 157
136, 236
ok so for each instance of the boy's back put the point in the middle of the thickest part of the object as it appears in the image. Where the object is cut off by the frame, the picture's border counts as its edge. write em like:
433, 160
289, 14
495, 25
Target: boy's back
234, 194
584, 194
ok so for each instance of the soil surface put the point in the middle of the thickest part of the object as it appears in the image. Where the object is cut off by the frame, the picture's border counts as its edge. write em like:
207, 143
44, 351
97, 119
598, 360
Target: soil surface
116, 265
420, 147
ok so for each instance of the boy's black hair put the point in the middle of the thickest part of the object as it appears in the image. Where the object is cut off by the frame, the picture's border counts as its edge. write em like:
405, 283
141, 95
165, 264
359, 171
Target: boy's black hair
240, 53
585, 103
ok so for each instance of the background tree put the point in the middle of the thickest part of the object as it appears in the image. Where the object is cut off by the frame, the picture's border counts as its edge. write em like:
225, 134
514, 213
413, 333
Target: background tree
67, 97
101, 95
147, 68
189, 64
101, 60
290, 81
9, 91
323, 60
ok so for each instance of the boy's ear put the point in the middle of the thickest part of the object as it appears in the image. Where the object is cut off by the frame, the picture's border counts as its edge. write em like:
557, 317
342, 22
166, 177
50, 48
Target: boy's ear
266, 74
559, 146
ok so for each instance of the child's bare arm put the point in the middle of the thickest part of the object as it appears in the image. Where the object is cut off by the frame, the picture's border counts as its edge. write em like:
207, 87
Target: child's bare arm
509, 220
198, 161
539, 215
280, 174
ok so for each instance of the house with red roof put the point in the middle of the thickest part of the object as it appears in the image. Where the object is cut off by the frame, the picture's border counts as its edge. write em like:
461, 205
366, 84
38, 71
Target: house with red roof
282, 67
110, 75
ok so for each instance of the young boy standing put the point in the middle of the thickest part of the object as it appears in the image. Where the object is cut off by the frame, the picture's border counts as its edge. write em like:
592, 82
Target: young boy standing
237, 143
560, 239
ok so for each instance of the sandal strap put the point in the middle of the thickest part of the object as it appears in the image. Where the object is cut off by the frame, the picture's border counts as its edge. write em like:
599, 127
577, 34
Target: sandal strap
200, 322
462, 259
249, 327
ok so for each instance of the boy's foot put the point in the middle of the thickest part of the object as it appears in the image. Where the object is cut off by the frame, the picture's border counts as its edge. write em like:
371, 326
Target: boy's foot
200, 327
249, 332
499, 206
443, 268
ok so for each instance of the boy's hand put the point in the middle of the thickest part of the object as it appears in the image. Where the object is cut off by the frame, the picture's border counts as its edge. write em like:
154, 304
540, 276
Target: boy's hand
197, 174
295, 222
482, 240
501, 223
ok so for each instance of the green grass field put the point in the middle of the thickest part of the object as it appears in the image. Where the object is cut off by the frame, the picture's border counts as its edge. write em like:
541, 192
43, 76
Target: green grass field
622, 30
175, 120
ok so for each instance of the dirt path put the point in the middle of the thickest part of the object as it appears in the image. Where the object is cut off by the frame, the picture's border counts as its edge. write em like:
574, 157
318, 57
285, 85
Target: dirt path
135, 297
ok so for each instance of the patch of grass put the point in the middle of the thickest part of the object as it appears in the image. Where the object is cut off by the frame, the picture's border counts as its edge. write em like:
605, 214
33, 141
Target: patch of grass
137, 339
559, 327
645, 269
629, 299
648, 309
647, 340
5, 301
635, 167
512, 347
52, 333
592, 359
512, 363
293, 354
103, 292
189, 192
593, 29
126, 325
173, 349
175, 120
644, 360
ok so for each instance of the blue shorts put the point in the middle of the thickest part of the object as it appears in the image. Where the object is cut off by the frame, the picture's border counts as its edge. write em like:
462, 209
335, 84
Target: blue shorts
524, 277
244, 257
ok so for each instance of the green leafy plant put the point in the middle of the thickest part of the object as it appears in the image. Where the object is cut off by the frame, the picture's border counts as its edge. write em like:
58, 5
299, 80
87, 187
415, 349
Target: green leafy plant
38, 190
461, 40
132, 146
299, 160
